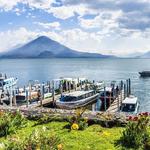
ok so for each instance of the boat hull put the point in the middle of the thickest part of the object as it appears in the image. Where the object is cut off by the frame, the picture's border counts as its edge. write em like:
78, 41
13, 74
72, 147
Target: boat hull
77, 104
145, 74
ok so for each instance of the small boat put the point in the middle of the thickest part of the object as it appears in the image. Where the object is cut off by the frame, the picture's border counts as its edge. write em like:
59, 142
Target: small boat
6, 83
99, 86
47, 95
145, 74
77, 99
130, 105
21, 97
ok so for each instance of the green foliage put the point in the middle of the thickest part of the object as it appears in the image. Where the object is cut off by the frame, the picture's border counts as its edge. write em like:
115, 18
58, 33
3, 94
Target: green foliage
136, 133
10, 122
40, 139
78, 119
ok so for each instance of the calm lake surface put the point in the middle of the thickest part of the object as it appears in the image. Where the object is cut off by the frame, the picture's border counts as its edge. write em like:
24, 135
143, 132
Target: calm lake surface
93, 69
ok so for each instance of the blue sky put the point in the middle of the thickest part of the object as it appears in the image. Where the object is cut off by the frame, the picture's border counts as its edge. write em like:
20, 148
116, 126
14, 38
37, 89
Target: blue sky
117, 27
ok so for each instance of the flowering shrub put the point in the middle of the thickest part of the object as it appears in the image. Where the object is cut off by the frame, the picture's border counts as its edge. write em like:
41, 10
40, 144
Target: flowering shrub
136, 133
10, 122
74, 126
39, 139
77, 122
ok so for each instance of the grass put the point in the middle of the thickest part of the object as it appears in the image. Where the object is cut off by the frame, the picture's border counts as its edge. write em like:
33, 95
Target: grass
94, 137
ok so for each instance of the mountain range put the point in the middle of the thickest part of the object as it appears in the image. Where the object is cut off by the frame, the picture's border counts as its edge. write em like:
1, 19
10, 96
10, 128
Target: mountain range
44, 47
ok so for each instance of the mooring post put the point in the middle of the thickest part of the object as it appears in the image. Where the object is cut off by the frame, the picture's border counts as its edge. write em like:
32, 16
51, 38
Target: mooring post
81, 84
69, 85
0, 96
53, 93
66, 84
121, 90
110, 99
129, 86
49, 86
14, 98
27, 98
61, 88
124, 85
118, 102
29, 92
24, 88
105, 98
10, 96
41, 94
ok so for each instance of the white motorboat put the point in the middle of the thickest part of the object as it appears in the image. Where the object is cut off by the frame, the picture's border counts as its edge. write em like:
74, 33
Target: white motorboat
130, 105
77, 99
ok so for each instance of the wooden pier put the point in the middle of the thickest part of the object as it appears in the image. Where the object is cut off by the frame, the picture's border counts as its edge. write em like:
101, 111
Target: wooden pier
124, 91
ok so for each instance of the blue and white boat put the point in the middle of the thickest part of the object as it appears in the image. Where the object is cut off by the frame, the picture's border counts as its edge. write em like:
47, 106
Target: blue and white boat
6, 83
130, 105
77, 99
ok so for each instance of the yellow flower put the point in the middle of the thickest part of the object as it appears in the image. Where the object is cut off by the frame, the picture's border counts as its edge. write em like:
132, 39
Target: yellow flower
106, 133
2, 146
75, 126
86, 119
59, 147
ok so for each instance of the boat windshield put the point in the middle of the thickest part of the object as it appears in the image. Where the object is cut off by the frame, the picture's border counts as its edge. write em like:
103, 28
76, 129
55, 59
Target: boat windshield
128, 107
68, 98
1, 85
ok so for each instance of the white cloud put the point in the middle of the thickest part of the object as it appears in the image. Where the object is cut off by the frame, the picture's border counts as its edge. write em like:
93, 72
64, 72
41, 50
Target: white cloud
52, 25
39, 4
15, 37
106, 20
8, 4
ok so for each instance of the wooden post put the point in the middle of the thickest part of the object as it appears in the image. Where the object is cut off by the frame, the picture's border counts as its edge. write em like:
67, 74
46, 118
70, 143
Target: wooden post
118, 102
129, 86
105, 98
61, 88
0, 96
124, 91
113, 91
49, 86
14, 98
53, 93
27, 98
110, 99
24, 88
10, 98
66, 85
81, 84
29, 91
69, 85
42, 95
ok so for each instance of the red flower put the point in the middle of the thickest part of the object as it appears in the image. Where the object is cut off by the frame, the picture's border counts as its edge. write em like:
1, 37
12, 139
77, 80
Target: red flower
135, 118
146, 113
130, 118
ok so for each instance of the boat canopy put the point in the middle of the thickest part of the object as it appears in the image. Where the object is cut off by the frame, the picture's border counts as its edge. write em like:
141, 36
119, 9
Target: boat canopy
109, 89
78, 93
130, 100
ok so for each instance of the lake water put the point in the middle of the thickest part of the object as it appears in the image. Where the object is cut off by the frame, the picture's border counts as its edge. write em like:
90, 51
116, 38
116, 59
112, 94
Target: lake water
93, 69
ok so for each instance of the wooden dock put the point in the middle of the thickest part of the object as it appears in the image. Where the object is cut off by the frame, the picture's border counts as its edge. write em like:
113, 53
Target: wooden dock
115, 106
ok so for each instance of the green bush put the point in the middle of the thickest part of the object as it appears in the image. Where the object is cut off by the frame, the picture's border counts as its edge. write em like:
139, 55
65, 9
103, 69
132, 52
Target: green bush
39, 139
10, 122
78, 120
136, 133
